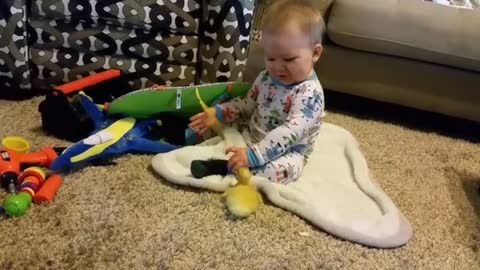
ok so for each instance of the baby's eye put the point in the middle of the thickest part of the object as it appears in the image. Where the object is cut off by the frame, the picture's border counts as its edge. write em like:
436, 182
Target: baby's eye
290, 59
270, 59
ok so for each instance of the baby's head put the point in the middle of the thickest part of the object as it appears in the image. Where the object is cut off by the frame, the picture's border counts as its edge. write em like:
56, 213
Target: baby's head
292, 34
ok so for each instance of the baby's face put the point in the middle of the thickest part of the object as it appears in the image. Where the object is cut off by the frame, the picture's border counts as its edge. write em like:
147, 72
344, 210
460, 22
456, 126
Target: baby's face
290, 55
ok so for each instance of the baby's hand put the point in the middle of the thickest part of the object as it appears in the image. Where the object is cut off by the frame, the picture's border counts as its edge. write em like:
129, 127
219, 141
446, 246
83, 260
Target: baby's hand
198, 122
201, 122
239, 158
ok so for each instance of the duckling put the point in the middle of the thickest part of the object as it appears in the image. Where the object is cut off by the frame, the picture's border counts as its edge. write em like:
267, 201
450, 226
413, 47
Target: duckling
243, 199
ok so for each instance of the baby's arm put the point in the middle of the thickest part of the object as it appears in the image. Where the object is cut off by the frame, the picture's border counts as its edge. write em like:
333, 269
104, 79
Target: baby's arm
306, 111
230, 111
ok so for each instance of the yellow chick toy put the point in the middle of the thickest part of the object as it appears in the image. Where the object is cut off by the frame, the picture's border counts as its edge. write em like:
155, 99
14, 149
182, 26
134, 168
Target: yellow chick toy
242, 199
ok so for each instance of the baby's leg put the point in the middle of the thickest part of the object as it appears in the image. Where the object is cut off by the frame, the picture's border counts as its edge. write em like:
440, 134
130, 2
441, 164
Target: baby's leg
285, 169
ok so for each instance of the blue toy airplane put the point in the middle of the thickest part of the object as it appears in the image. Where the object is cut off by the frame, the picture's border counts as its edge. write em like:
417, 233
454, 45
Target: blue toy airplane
112, 137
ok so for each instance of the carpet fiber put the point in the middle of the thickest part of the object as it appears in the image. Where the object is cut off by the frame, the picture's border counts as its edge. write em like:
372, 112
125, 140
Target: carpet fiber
125, 217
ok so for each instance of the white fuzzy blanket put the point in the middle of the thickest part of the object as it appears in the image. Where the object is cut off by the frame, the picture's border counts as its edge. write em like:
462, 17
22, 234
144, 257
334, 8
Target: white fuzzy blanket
336, 191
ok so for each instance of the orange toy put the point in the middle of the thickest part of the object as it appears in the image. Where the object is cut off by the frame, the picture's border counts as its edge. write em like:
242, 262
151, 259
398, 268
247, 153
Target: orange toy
13, 162
48, 190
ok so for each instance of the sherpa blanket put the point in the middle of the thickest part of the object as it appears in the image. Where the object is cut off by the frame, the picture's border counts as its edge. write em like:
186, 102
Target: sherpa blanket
335, 192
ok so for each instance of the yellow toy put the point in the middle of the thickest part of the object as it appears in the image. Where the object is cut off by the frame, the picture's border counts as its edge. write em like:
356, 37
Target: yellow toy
16, 143
243, 198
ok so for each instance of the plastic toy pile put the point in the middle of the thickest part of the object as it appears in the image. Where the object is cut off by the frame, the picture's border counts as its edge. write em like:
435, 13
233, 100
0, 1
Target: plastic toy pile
102, 118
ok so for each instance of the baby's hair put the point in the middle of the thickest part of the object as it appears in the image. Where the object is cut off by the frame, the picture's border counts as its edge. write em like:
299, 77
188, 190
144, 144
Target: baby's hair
300, 13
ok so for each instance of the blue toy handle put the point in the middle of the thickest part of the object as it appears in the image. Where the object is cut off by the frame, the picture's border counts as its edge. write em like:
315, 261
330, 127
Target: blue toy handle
190, 137
93, 111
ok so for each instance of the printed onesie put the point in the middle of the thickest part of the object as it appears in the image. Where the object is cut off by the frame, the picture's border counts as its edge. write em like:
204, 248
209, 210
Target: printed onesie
284, 121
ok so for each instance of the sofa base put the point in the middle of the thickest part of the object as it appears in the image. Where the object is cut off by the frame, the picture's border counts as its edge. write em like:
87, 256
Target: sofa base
420, 85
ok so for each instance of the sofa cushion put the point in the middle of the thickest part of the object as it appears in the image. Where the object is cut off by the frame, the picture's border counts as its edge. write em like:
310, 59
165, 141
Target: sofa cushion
225, 40
409, 28
14, 69
53, 67
63, 50
181, 16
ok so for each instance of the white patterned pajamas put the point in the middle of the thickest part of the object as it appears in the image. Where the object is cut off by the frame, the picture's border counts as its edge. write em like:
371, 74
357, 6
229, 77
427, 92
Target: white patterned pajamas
284, 121
284, 169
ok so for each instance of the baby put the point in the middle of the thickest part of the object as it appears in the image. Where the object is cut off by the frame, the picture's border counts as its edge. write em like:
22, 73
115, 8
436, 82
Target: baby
285, 105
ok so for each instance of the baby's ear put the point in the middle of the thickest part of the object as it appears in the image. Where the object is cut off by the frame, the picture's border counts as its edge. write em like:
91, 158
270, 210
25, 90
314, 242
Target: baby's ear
317, 52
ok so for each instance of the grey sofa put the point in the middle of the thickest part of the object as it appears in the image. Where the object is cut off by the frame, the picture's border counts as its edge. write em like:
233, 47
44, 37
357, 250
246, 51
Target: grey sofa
410, 52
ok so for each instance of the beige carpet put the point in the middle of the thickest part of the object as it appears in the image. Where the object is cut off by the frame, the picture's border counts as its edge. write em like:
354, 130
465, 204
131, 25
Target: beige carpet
125, 217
